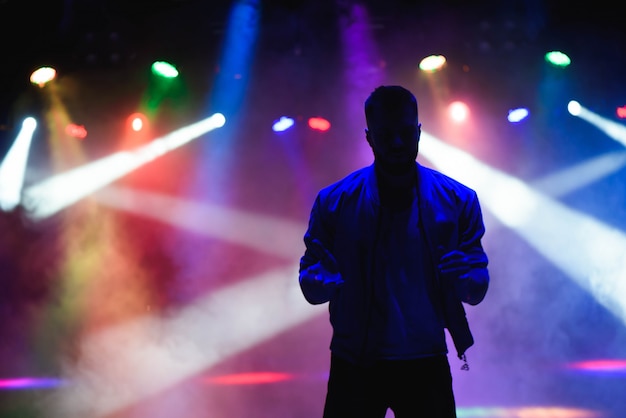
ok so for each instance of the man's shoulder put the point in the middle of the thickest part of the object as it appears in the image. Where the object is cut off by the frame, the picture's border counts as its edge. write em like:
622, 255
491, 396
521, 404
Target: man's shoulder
348, 182
437, 179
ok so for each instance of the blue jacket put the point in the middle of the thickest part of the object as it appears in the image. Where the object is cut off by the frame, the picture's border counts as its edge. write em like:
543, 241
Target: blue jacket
344, 219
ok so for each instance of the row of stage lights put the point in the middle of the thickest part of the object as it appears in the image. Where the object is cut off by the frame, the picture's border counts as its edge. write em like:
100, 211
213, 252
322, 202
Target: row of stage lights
457, 111
137, 121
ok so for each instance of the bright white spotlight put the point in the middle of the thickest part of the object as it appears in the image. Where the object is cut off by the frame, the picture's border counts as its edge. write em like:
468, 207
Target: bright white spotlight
54, 194
458, 111
432, 63
517, 115
42, 76
573, 107
13, 166
609, 127
589, 252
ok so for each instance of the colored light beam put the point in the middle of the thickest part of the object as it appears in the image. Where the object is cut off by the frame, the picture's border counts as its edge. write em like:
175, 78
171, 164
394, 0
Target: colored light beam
363, 67
13, 166
46, 198
220, 325
609, 127
591, 253
236, 58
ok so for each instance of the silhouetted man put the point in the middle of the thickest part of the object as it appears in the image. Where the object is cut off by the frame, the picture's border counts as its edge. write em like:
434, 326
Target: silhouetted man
395, 248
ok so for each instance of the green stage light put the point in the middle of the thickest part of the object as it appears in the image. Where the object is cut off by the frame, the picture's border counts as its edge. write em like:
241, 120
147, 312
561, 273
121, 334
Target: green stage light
164, 69
558, 59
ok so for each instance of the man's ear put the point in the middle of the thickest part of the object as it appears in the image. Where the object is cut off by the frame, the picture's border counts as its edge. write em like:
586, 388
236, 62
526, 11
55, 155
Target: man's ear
419, 131
368, 137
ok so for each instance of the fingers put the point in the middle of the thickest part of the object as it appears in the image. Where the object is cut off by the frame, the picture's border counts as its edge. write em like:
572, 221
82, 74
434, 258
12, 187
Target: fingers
318, 273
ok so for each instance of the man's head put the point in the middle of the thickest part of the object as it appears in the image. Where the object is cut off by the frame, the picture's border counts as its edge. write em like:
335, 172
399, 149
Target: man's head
393, 130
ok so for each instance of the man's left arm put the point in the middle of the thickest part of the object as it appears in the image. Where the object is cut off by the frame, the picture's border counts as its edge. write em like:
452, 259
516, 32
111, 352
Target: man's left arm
466, 266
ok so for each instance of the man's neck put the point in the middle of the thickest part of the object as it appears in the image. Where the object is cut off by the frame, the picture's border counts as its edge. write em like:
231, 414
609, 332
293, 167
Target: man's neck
397, 176
396, 188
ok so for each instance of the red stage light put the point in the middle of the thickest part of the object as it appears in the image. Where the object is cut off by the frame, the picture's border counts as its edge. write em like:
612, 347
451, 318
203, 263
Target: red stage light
319, 124
77, 131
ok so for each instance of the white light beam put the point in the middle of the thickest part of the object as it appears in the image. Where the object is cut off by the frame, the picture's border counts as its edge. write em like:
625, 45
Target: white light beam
609, 127
13, 166
589, 252
56, 193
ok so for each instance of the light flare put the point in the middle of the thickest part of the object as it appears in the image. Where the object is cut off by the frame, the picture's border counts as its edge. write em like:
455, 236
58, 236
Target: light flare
46, 198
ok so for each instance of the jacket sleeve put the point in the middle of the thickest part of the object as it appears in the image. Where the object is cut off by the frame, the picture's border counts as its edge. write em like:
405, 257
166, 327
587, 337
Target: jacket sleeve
318, 229
472, 230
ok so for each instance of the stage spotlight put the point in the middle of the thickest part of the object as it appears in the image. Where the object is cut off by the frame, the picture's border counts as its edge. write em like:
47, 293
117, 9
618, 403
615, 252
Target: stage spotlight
558, 59
42, 76
56, 193
609, 127
517, 115
573, 107
432, 63
319, 124
621, 112
283, 124
458, 111
164, 69
137, 121
76, 131
13, 166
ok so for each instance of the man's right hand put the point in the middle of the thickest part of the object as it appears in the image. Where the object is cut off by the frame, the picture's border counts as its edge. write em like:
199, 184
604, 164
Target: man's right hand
319, 274
320, 279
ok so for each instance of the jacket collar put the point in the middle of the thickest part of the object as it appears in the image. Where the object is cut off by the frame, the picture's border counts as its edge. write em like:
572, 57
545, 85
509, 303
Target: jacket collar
372, 185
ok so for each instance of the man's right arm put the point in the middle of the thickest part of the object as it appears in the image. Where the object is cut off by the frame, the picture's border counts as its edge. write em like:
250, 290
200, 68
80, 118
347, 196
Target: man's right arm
319, 275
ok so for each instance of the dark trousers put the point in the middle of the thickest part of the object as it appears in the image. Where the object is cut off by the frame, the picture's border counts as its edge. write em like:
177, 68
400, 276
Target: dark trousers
420, 388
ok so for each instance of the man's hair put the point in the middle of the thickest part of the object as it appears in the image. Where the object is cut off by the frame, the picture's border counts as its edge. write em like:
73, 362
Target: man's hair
389, 97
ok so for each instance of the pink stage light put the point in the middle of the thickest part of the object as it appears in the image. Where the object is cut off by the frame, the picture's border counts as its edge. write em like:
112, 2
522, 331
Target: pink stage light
29, 383
600, 365
253, 378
